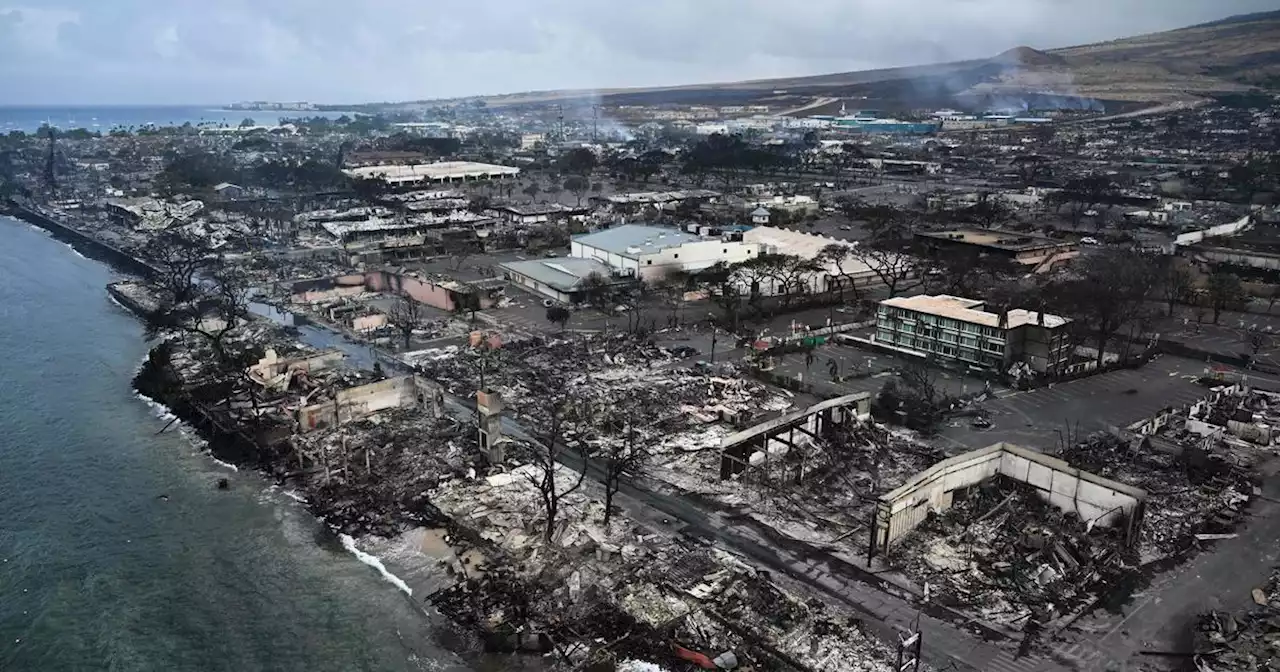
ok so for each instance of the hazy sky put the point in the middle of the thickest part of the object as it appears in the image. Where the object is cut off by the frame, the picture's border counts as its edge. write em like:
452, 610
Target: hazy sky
207, 51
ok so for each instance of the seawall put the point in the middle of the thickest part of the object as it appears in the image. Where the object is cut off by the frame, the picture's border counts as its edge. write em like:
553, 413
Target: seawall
85, 243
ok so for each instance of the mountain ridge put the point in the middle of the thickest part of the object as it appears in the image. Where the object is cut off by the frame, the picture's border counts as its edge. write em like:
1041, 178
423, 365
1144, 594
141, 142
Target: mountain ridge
1230, 55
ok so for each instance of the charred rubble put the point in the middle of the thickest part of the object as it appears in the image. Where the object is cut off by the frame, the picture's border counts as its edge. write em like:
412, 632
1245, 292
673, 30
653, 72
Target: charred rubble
376, 458
1004, 554
1189, 493
1235, 423
1247, 641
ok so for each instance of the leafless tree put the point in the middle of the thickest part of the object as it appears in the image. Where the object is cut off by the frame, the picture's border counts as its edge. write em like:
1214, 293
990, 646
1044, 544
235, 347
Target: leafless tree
839, 257
1109, 291
406, 314
1175, 283
673, 287
1224, 291
212, 308
794, 274
553, 486
622, 460
894, 267
181, 260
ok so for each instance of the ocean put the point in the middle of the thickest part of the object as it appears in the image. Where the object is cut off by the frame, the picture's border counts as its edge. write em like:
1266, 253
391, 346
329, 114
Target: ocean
117, 550
105, 118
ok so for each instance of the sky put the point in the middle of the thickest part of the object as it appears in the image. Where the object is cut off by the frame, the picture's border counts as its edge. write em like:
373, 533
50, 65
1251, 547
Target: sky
63, 52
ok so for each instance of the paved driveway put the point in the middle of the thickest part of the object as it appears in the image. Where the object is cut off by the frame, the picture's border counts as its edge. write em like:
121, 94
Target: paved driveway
1036, 418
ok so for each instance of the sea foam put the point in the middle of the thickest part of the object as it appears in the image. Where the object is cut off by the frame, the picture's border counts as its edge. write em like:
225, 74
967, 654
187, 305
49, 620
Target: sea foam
350, 544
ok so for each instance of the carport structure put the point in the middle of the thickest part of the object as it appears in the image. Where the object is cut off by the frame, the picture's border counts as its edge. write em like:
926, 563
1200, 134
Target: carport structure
741, 450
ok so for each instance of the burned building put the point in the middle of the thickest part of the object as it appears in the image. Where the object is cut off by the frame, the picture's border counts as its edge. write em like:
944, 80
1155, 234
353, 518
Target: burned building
1037, 254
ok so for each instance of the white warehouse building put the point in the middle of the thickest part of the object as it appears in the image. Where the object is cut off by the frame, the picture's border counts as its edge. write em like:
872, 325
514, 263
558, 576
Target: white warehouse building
650, 252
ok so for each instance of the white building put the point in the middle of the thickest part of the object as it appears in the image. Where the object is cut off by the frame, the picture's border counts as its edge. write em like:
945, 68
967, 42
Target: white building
432, 173
650, 252
851, 272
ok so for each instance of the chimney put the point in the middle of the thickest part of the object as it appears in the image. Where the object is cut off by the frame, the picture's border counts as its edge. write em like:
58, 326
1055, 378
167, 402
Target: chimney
489, 409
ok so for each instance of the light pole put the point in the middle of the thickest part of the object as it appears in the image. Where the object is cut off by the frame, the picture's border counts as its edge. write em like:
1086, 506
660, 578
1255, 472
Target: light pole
715, 330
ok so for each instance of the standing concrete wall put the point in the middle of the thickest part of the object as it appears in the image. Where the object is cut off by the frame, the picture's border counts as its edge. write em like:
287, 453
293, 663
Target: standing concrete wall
358, 402
1091, 497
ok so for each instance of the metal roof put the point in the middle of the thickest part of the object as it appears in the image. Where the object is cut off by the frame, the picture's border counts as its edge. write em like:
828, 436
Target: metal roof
632, 240
561, 273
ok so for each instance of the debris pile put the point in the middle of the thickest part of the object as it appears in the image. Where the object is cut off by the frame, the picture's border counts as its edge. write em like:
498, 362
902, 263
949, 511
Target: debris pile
1235, 422
762, 625
618, 385
844, 472
1249, 641
1004, 553
373, 476
1187, 495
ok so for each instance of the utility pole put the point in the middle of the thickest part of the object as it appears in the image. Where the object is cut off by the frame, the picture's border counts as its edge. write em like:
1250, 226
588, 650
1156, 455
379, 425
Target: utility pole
595, 123
50, 174
560, 122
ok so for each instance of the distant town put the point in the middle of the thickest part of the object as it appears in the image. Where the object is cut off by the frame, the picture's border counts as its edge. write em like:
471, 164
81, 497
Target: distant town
746, 386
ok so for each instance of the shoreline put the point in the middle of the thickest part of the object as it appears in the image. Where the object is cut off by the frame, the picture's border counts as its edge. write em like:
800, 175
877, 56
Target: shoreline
227, 448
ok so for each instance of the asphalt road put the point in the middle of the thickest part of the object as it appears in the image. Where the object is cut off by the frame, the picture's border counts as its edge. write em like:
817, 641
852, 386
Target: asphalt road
1037, 418
946, 646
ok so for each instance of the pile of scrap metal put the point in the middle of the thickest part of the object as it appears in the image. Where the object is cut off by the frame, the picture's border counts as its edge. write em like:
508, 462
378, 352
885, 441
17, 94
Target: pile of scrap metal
1004, 553
570, 595
736, 617
1191, 495
373, 476
616, 373
1249, 641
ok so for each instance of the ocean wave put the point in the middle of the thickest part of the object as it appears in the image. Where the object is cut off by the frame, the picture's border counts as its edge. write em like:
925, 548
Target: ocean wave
228, 465
113, 299
75, 251
165, 413
161, 411
33, 227
350, 544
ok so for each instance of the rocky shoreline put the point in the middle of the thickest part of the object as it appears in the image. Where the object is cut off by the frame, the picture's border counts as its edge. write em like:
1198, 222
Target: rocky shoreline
343, 516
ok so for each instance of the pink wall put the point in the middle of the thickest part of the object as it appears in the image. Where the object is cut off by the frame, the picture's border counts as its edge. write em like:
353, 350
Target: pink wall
419, 290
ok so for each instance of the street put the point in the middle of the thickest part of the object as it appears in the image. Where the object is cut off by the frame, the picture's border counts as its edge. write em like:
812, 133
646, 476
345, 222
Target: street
1041, 418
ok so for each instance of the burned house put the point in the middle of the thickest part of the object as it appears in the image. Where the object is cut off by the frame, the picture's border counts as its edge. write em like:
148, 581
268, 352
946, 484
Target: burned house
775, 444
434, 290
541, 213
1036, 254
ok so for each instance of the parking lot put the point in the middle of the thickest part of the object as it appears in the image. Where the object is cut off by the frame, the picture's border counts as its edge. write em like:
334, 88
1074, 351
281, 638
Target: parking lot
866, 371
1037, 418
